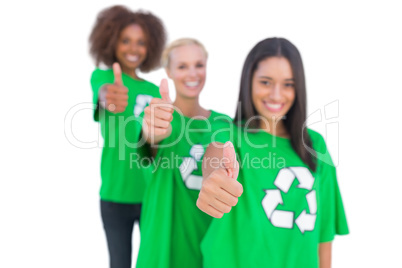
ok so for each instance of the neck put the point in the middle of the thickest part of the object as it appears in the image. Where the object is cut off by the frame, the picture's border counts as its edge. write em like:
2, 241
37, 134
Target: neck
275, 127
131, 73
190, 107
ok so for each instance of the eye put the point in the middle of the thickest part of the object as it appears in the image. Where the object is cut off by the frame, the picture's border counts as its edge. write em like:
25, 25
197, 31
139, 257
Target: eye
125, 41
181, 67
289, 85
265, 82
141, 43
199, 65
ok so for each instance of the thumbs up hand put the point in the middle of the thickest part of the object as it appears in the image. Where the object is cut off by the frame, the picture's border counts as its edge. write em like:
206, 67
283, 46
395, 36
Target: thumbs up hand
115, 96
158, 115
220, 190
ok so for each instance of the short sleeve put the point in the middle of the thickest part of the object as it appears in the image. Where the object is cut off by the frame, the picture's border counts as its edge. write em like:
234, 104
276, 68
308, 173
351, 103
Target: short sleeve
98, 79
223, 129
332, 216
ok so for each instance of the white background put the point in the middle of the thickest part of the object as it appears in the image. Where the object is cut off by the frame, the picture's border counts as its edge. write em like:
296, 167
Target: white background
49, 200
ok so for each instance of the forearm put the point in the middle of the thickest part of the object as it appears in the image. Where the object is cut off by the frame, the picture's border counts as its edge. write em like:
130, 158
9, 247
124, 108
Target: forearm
102, 96
325, 254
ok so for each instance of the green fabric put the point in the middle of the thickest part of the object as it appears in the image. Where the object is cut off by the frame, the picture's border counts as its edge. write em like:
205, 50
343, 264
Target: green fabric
172, 226
246, 237
122, 178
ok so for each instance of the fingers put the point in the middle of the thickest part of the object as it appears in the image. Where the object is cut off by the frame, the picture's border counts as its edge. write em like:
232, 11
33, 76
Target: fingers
118, 80
164, 91
213, 206
157, 122
219, 194
157, 104
218, 182
117, 93
153, 131
158, 116
116, 98
209, 209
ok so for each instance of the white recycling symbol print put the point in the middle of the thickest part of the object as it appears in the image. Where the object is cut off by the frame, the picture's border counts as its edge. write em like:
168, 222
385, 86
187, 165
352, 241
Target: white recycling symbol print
141, 102
189, 164
285, 219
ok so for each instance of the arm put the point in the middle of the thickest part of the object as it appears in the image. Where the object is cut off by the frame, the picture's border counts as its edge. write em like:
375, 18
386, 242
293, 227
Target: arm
325, 254
220, 190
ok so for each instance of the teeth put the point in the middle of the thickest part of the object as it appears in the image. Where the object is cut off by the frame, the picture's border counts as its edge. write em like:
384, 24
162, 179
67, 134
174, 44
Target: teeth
274, 106
132, 58
192, 84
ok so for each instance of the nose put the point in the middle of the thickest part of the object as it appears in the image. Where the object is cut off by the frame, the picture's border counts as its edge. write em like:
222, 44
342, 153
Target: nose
192, 72
275, 93
134, 47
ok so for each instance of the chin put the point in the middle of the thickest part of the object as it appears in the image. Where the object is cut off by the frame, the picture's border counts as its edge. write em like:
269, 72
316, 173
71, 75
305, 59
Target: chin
191, 95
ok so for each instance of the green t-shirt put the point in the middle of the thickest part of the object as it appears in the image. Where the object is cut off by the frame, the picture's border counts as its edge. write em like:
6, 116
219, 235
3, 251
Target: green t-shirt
285, 210
172, 226
122, 177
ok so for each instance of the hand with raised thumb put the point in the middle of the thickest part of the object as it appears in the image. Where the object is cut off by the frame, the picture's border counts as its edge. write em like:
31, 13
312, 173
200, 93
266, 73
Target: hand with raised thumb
115, 95
158, 115
220, 190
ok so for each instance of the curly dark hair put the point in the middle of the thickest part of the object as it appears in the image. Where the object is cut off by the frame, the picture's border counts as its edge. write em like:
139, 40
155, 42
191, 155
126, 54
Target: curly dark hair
111, 21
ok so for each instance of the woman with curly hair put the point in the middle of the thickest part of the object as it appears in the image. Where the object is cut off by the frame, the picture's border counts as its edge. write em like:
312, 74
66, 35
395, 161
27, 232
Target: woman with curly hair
124, 42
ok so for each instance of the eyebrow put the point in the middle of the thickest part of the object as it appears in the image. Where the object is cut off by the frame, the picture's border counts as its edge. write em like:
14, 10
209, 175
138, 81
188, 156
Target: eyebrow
267, 77
197, 62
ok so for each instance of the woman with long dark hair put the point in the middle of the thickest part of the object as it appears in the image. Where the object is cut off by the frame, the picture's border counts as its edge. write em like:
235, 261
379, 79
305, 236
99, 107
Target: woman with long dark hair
285, 207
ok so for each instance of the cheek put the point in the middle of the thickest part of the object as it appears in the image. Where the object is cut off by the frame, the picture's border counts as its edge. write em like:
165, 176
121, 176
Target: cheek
176, 76
256, 96
257, 93
144, 50
202, 73
118, 49
291, 95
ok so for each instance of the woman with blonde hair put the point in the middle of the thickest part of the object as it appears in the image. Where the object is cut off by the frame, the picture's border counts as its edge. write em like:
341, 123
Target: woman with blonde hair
172, 227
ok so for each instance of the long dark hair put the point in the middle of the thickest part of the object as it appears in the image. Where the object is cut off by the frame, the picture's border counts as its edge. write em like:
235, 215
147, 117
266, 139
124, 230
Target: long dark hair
297, 114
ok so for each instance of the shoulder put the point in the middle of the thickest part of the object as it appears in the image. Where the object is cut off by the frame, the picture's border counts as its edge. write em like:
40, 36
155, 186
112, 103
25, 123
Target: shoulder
320, 147
221, 122
317, 140
151, 86
99, 74
220, 118
147, 86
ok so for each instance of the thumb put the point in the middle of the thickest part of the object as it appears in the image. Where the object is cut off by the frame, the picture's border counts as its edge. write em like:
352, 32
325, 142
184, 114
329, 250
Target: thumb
229, 160
118, 80
164, 91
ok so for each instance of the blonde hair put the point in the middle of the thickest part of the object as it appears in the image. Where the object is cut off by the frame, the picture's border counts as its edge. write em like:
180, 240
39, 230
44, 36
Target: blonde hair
178, 43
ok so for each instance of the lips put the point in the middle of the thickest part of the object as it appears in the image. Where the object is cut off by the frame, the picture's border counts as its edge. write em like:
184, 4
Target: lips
132, 58
273, 107
192, 84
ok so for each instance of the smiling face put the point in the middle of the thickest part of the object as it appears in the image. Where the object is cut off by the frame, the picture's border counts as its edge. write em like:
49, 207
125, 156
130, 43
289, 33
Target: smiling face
273, 90
131, 48
187, 69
